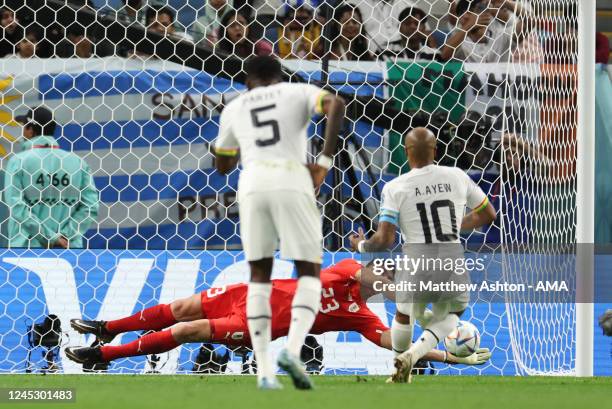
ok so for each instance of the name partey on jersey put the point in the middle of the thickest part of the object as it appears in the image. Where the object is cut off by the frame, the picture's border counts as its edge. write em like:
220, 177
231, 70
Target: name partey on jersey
269, 125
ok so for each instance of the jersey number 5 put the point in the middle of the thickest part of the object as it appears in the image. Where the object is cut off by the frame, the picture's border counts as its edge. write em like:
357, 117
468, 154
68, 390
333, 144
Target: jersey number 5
273, 123
434, 208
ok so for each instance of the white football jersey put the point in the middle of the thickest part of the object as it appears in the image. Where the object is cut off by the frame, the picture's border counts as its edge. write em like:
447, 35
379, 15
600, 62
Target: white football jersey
269, 126
428, 204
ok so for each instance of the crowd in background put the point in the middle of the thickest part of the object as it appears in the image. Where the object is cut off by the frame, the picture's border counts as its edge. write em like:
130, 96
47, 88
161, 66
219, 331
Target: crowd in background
365, 30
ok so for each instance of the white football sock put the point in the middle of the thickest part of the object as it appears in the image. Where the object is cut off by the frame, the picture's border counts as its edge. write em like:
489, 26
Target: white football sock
304, 309
432, 335
259, 318
401, 337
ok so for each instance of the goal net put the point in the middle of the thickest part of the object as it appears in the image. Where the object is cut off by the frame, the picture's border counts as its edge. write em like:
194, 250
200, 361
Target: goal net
136, 89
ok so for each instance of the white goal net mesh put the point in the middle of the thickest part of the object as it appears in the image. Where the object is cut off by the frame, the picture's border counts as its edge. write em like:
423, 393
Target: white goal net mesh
136, 89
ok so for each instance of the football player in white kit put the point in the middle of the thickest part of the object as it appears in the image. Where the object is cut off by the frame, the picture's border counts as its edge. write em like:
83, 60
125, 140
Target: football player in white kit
428, 205
267, 126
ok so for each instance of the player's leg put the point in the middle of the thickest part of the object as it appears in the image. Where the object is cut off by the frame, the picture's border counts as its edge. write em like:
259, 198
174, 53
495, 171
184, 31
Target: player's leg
153, 318
259, 240
305, 304
443, 319
401, 332
304, 309
259, 317
402, 326
403, 363
153, 343
299, 224
441, 324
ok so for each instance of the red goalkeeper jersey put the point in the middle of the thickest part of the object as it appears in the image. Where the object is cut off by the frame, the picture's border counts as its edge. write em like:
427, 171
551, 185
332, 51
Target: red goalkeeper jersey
341, 309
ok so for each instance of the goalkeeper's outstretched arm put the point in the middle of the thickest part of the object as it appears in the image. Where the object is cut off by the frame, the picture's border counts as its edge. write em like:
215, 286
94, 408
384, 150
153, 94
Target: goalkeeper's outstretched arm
479, 357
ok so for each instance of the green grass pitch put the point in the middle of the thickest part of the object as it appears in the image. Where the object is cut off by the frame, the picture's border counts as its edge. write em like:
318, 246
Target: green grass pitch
335, 392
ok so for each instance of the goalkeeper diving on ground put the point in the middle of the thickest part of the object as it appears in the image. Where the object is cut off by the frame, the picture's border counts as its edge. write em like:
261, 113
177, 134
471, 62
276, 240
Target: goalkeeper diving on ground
218, 315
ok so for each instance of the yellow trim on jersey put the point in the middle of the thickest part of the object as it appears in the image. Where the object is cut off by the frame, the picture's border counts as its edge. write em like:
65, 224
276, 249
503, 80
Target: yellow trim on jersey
319, 104
226, 151
482, 205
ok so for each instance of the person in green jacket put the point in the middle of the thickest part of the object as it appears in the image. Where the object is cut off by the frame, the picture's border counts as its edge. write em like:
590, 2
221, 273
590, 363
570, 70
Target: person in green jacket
50, 192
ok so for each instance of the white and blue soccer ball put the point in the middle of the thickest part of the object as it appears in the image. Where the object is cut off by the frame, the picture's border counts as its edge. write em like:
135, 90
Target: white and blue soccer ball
464, 340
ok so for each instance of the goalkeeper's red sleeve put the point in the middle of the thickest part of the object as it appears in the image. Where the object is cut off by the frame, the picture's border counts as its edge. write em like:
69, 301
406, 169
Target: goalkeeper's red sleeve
154, 343
153, 318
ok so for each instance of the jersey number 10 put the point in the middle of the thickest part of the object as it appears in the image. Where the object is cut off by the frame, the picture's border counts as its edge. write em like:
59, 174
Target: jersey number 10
434, 210
272, 123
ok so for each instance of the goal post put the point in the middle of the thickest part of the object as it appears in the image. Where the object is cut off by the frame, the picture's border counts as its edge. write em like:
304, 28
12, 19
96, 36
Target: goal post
585, 197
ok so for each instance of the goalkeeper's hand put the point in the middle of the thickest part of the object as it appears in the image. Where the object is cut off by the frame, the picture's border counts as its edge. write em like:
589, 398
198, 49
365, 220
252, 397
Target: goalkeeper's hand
481, 356
605, 322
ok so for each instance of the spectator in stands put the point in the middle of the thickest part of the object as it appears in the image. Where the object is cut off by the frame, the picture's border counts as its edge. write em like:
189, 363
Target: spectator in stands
523, 157
349, 40
416, 42
49, 191
234, 38
28, 46
161, 19
11, 33
264, 14
381, 20
77, 44
132, 11
299, 36
207, 26
484, 31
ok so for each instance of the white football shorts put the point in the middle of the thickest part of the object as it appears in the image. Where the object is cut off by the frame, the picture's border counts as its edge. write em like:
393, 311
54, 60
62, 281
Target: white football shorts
288, 217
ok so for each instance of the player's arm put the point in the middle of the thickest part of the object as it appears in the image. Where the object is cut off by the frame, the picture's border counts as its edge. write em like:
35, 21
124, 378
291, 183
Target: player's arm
481, 356
480, 216
482, 212
382, 240
333, 108
226, 148
225, 162
388, 222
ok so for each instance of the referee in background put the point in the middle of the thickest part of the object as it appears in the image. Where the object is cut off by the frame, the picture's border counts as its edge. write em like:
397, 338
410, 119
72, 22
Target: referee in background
49, 192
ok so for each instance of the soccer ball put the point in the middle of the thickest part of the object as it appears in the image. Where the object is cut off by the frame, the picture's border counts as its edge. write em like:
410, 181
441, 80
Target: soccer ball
464, 340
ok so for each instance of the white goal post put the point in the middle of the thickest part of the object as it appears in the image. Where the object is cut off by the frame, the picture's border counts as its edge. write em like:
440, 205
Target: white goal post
585, 197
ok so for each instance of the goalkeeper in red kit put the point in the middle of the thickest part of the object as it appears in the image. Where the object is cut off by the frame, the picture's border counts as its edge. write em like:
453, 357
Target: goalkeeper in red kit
218, 315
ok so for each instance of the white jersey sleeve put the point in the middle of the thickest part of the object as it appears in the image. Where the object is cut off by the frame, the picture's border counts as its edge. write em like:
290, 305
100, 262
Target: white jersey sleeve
389, 206
476, 199
226, 143
314, 99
